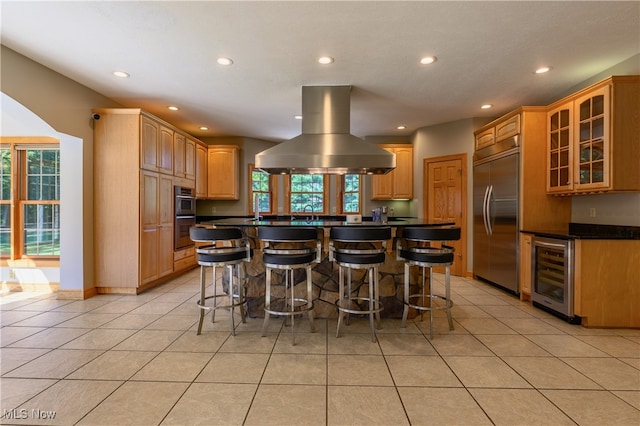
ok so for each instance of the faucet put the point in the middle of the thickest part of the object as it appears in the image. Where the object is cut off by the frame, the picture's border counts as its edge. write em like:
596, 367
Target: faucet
304, 210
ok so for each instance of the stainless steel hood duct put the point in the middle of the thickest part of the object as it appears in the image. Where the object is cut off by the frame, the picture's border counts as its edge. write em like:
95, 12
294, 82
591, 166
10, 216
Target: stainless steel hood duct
325, 145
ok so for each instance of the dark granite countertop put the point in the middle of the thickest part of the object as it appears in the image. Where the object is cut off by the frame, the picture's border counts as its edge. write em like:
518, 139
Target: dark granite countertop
590, 231
322, 222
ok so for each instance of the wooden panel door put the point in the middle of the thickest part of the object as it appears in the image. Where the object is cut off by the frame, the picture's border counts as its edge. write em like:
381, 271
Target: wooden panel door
165, 150
150, 132
403, 174
223, 177
179, 142
190, 159
165, 226
149, 226
201, 171
445, 200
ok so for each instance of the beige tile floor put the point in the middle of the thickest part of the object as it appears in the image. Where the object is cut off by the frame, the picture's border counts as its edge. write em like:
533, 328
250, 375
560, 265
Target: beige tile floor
117, 360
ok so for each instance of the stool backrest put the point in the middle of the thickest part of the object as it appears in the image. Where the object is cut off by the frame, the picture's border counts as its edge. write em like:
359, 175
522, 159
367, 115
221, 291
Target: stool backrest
287, 233
431, 234
220, 244
360, 233
290, 240
200, 234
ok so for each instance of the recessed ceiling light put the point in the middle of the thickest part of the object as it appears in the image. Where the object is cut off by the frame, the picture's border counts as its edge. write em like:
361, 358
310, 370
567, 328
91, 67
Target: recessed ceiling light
224, 61
204, 128
486, 106
401, 127
325, 60
428, 60
173, 108
298, 117
121, 74
543, 70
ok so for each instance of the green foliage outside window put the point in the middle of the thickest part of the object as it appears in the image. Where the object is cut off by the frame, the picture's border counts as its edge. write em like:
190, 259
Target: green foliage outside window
41, 232
307, 193
351, 201
260, 189
5, 208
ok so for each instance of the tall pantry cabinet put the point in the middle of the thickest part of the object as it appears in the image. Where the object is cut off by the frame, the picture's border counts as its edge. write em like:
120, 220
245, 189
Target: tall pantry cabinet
134, 157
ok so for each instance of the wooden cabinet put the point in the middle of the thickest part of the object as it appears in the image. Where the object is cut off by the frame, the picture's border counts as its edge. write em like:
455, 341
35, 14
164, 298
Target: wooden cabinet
184, 157
397, 184
201, 170
133, 199
525, 266
606, 283
156, 246
593, 139
223, 178
190, 159
537, 209
179, 143
156, 146
485, 138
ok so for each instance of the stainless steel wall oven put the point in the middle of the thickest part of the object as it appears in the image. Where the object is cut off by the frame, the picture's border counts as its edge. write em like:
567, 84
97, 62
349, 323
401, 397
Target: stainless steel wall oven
185, 216
552, 277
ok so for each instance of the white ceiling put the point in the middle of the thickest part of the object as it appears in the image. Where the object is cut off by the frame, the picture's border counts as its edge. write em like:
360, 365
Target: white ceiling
487, 52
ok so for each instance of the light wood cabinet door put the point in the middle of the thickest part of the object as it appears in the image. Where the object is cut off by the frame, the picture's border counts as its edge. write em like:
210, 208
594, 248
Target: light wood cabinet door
149, 205
603, 131
165, 150
560, 148
201, 171
398, 183
150, 134
403, 174
222, 172
179, 143
591, 136
525, 266
190, 159
486, 138
156, 243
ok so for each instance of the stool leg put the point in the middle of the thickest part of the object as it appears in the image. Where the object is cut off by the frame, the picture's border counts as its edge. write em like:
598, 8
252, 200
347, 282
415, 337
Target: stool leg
405, 311
293, 306
371, 305
348, 299
376, 290
202, 298
447, 288
312, 325
215, 292
231, 309
430, 303
423, 290
341, 298
267, 301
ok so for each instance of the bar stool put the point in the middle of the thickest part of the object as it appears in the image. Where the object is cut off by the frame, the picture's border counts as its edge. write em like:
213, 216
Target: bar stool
224, 248
289, 249
359, 247
426, 248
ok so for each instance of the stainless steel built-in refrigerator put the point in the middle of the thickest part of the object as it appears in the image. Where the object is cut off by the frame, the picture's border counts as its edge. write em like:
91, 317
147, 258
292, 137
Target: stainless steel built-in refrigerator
495, 217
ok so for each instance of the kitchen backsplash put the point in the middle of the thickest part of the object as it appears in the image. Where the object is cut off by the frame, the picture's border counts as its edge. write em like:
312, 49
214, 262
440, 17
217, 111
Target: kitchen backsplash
607, 209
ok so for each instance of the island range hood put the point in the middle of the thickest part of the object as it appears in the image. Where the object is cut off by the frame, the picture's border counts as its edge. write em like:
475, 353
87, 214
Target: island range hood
325, 145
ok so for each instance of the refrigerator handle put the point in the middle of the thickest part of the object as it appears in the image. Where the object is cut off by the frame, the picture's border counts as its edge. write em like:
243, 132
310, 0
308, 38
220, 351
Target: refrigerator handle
484, 210
489, 222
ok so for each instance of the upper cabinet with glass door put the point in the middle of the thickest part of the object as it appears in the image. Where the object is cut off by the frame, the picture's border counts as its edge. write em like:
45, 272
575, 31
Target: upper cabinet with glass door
593, 139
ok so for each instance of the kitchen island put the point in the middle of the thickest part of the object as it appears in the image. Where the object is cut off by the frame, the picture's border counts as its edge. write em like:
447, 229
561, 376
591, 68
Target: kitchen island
325, 273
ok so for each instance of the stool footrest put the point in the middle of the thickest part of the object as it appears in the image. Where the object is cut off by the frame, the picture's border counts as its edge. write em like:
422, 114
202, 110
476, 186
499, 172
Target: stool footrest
425, 297
299, 309
240, 302
377, 306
